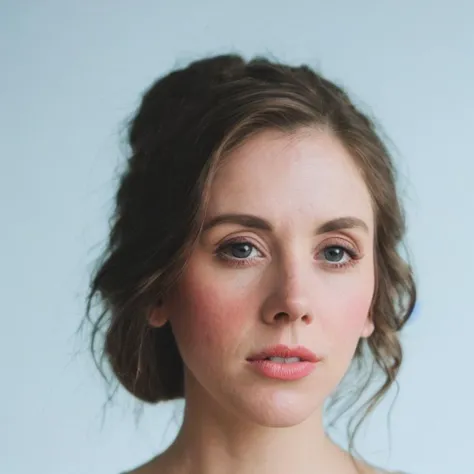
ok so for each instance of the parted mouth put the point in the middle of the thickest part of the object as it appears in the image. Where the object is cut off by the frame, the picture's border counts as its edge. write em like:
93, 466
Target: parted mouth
285, 354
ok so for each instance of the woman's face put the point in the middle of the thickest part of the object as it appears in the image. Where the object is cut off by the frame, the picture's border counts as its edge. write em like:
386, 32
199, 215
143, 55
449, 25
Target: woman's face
285, 257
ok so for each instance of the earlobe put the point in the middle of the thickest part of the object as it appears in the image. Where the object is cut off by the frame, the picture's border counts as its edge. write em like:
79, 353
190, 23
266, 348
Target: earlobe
157, 317
368, 328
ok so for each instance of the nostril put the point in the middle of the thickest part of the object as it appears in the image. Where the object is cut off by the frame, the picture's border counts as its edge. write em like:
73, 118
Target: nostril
306, 319
282, 315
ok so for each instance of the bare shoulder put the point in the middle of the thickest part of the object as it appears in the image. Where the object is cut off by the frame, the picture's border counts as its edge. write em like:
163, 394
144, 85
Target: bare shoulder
370, 469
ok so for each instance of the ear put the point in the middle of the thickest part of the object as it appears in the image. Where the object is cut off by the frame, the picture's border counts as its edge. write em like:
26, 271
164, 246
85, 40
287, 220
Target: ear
157, 317
368, 328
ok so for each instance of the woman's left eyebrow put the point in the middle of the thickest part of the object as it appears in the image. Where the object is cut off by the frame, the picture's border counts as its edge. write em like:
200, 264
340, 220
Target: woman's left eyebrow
342, 223
255, 222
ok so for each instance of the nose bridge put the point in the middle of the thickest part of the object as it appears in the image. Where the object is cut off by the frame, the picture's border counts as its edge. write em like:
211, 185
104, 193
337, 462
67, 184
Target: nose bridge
290, 296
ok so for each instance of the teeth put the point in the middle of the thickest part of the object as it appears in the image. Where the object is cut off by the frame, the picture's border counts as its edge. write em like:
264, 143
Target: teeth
283, 360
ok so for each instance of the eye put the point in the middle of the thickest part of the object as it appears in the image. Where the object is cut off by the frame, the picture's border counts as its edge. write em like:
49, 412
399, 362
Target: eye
238, 252
338, 256
240, 249
334, 254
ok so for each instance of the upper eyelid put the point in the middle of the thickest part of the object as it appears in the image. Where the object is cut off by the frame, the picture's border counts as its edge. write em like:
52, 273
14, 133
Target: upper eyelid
345, 242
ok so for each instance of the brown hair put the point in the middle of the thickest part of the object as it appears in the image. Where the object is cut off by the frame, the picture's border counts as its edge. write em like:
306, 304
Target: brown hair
186, 123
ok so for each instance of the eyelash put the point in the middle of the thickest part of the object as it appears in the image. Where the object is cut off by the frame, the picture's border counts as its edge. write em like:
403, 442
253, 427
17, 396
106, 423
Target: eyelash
350, 251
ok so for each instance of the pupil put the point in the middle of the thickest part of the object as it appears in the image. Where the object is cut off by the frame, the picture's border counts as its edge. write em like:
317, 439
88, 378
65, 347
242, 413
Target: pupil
334, 254
241, 250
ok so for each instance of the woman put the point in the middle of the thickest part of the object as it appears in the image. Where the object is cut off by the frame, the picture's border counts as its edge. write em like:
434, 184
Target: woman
253, 260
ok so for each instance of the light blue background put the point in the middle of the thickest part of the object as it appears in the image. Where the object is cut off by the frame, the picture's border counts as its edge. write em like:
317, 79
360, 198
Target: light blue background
72, 73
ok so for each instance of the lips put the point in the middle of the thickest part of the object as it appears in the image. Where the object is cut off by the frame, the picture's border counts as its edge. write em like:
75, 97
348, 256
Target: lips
283, 363
285, 352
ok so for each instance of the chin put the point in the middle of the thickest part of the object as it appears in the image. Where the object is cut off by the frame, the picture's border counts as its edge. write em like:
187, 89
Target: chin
278, 408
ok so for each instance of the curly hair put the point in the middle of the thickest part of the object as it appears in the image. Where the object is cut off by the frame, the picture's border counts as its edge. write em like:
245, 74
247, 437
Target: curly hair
187, 122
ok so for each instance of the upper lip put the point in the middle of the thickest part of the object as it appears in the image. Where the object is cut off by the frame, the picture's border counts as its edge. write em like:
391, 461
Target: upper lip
283, 351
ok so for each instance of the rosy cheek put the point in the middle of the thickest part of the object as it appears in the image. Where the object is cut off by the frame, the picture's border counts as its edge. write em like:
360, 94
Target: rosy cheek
210, 314
350, 318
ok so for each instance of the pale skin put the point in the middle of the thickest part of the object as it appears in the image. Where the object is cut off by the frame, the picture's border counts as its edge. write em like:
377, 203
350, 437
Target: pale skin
302, 273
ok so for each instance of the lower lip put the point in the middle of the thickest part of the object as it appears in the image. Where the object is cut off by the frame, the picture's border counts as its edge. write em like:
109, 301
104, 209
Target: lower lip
282, 371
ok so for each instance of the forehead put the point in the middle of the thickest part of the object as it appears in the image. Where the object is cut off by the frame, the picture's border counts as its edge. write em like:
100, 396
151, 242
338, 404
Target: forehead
280, 176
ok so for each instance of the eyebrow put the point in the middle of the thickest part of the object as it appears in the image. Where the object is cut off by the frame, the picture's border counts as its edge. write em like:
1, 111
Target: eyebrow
255, 222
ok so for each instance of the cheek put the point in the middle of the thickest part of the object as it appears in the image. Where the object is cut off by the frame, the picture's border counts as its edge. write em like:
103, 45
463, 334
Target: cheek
207, 316
353, 315
350, 314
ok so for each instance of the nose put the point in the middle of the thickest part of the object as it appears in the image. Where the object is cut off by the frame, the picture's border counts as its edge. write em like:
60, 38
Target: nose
288, 300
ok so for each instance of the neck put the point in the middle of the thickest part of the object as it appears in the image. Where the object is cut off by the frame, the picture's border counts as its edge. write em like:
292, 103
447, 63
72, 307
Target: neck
212, 441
